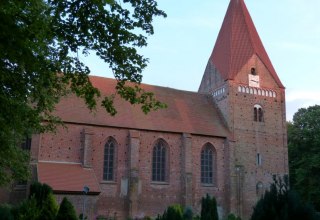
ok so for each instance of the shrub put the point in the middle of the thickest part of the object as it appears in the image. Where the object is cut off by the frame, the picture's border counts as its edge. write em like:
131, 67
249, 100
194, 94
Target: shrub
209, 208
46, 203
233, 217
197, 217
27, 210
173, 212
5, 212
188, 213
66, 211
81, 217
40, 192
281, 203
49, 208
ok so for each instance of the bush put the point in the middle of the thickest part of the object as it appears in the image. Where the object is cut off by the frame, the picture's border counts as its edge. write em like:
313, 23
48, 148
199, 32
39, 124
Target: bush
49, 208
209, 208
86, 217
46, 203
233, 217
173, 212
27, 210
281, 203
66, 211
188, 213
40, 192
197, 217
5, 212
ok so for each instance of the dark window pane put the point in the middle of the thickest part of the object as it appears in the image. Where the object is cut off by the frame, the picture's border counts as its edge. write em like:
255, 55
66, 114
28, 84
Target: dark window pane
260, 113
207, 165
255, 116
159, 162
108, 164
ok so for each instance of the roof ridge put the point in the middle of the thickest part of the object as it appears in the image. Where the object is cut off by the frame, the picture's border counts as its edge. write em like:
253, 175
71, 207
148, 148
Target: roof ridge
145, 84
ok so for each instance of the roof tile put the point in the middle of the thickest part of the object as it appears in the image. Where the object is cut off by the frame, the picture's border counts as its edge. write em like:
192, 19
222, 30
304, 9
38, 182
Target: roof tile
237, 41
67, 178
187, 112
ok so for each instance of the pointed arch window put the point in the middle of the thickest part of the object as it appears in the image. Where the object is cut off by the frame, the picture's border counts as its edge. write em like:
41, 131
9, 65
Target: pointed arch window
258, 113
160, 162
208, 157
109, 160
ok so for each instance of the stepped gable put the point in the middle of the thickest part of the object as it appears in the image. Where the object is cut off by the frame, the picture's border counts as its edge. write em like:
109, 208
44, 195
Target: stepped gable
237, 42
188, 112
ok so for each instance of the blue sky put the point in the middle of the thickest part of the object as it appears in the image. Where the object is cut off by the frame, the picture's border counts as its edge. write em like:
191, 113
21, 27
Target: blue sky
182, 43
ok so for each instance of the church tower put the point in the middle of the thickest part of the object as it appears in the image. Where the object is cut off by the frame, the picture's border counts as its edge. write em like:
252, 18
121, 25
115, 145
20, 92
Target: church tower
246, 88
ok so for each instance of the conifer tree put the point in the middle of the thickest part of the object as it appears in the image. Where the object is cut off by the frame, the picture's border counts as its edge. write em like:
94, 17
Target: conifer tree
46, 203
209, 208
66, 211
279, 203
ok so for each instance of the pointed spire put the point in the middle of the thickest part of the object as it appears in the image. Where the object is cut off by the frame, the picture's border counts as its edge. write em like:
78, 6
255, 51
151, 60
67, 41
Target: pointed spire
237, 42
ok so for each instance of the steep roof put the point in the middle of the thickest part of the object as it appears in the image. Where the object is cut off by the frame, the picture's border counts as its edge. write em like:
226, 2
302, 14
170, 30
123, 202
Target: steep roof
67, 178
187, 112
237, 41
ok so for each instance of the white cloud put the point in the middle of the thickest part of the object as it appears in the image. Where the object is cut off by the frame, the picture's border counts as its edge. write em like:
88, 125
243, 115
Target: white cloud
311, 95
296, 99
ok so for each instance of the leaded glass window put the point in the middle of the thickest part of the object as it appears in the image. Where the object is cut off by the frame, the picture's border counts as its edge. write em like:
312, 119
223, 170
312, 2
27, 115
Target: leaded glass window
109, 160
207, 164
159, 162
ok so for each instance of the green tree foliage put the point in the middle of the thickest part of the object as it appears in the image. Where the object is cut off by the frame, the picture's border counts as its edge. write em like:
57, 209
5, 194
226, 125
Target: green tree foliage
27, 210
49, 208
40, 41
304, 154
41, 205
66, 211
45, 201
281, 204
6, 212
40, 192
188, 213
173, 212
209, 208
233, 217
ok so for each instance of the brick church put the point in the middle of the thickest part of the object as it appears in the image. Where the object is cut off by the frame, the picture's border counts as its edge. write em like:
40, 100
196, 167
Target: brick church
226, 140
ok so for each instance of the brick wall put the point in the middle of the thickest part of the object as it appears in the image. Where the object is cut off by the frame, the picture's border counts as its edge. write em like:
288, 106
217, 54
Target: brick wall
236, 101
152, 198
268, 138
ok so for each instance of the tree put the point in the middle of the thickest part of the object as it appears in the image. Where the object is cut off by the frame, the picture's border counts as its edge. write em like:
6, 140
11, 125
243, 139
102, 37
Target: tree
66, 211
280, 203
27, 209
232, 216
40, 41
41, 205
173, 212
209, 208
46, 203
304, 154
188, 213
5, 212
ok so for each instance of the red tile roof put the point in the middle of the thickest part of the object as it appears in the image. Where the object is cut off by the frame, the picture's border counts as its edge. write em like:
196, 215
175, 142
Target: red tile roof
188, 112
67, 178
237, 41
